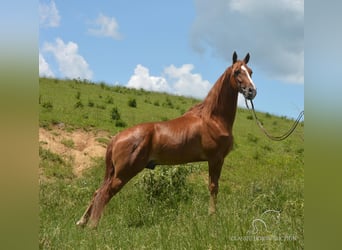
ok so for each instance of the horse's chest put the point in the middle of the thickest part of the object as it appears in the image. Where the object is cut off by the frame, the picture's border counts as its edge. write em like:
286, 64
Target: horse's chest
218, 144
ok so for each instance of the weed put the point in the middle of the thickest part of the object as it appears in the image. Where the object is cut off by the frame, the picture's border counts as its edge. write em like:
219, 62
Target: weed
68, 143
268, 148
54, 166
102, 140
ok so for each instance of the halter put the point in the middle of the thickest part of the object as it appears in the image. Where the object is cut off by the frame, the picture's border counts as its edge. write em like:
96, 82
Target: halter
275, 138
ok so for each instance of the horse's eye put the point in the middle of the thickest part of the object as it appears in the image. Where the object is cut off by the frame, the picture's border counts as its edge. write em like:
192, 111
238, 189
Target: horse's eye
237, 72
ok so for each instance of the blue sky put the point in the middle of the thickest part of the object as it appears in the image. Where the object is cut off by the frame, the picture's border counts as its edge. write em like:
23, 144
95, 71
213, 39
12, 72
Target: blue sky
181, 47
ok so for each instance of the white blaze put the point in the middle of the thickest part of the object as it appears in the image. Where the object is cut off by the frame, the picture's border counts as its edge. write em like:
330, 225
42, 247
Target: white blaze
249, 77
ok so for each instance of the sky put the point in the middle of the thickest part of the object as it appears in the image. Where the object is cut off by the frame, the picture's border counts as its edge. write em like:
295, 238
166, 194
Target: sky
179, 47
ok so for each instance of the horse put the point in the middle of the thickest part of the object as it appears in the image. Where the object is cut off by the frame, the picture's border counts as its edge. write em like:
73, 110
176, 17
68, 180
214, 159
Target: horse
203, 133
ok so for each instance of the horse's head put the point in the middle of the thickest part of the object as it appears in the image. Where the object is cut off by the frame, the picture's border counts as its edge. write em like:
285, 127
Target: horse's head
241, 74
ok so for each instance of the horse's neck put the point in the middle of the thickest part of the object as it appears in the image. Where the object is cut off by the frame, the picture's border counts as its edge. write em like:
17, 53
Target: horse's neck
221, 101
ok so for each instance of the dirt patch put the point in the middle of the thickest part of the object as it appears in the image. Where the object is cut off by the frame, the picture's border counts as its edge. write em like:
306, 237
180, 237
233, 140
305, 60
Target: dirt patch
77, 146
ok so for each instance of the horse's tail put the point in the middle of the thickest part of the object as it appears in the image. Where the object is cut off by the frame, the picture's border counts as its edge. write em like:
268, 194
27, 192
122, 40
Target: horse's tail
110, 169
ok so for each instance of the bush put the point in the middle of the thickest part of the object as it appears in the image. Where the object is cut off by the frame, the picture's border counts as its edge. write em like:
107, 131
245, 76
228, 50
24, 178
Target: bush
252, 138
120, 123
100, 106
132, 103
166, 185
109, 100
48, 105
78, 104
249, 117
115, 114
168, 103
78, 95
91, 103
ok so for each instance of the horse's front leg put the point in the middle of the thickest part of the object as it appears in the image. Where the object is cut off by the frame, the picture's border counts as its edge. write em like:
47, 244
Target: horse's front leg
215, 167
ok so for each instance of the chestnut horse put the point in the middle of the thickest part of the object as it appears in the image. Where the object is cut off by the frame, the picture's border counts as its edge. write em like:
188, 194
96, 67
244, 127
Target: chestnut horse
203, 133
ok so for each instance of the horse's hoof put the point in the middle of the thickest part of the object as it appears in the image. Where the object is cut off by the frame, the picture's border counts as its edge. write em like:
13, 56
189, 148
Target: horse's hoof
81, 222
211, 212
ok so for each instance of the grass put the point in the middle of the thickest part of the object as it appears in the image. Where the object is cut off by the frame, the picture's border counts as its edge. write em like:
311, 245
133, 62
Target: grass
258, 176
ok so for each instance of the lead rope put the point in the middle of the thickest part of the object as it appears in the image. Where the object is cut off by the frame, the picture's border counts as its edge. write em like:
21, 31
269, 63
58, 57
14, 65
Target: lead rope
275, 138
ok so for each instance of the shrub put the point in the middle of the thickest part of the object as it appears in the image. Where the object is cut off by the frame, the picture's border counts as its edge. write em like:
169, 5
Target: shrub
48, 105
100, 106
168, 103
249, 117
109, 100
78, 104
166, 185
91, 103
132, 103
252, 138
103, 85
268, 115
78, 95
120, 123
115, 114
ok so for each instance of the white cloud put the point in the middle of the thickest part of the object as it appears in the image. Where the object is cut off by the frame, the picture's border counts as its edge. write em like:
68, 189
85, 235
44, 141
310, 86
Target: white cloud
272, 31
44, 68
143, 80
186, 83
105, 26
180, 81
48, 15
70, 63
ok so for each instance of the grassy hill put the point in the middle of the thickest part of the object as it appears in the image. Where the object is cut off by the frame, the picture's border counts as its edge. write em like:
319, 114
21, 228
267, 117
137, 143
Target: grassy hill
261, 198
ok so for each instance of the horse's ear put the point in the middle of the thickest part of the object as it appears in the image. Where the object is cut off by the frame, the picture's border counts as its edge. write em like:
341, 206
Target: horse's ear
246, 58
234, 57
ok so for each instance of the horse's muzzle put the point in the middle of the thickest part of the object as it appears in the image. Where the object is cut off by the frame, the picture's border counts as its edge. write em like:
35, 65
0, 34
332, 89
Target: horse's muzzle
249, 93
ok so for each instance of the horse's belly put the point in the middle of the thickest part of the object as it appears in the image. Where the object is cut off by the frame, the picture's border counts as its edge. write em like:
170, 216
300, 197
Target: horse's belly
178, 153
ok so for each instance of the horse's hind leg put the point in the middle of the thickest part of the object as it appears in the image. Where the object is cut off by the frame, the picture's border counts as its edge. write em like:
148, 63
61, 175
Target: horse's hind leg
109, 173
85, 217
123, 173
103, 196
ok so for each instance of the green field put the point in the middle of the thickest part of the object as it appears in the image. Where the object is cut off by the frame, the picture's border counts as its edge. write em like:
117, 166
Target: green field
261, 197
